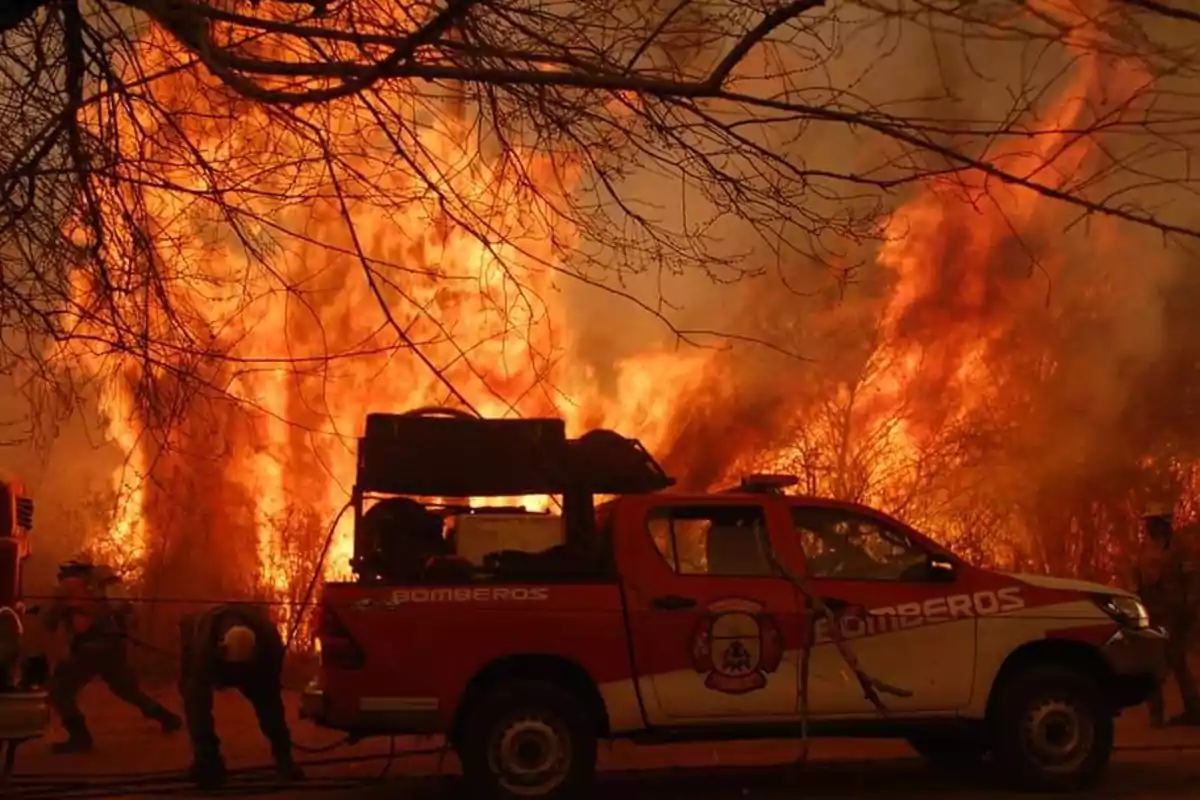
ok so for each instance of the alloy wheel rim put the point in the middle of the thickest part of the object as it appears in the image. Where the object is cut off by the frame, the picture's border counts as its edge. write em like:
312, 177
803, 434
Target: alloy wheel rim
530, 755
1058, 735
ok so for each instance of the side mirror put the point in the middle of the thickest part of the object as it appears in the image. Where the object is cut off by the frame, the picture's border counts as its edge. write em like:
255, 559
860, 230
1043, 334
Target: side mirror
940, 569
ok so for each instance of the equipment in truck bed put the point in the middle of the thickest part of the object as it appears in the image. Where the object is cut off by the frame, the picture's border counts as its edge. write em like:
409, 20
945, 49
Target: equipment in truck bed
402, 536
441, 453
480, 535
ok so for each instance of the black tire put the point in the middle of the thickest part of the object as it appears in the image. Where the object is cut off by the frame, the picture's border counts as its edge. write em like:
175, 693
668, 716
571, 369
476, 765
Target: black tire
1052, 730
542, 717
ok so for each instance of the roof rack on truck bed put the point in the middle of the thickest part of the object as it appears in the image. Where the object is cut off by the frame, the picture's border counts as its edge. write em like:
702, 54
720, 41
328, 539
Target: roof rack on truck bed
442, 452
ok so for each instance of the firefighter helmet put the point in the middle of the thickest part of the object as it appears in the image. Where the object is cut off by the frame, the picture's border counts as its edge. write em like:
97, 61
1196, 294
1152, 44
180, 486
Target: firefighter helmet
238, 644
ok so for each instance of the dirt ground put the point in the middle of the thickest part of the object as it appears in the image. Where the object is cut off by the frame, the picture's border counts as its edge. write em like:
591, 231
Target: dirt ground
1149, 763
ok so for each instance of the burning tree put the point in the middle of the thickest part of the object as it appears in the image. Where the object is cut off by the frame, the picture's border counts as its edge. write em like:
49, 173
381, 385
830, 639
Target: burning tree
249, 222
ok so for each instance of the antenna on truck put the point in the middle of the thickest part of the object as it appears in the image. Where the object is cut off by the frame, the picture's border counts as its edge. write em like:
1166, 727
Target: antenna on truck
763, 483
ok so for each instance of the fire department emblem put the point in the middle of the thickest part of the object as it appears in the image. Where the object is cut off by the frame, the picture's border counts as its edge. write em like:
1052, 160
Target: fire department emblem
738, 645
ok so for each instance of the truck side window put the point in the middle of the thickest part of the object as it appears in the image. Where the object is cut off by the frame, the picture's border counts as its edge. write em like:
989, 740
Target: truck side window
843, 545
730, 541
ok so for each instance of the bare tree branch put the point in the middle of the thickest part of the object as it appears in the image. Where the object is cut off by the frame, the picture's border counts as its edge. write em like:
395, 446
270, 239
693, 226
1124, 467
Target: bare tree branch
237, 226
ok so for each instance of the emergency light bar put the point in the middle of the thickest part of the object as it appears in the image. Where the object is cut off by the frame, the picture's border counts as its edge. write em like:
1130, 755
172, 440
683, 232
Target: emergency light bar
765, 484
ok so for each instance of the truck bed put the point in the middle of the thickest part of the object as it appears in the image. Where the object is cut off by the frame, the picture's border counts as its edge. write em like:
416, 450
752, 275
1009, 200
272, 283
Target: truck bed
394, 631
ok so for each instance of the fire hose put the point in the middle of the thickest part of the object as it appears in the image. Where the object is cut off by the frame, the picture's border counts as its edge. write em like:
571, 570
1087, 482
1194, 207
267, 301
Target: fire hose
871, 687
170, 783
310, 749
312, 584
304, 603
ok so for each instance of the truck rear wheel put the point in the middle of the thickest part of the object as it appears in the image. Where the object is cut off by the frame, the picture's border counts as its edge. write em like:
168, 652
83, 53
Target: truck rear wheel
1052, 729
528, 739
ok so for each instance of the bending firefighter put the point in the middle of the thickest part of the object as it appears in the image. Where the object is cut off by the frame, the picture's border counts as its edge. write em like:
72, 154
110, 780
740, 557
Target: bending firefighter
88, 603
232, 647
1169, 584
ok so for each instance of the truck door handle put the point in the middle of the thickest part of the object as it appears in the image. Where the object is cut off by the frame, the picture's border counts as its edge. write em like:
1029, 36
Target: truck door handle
673, 602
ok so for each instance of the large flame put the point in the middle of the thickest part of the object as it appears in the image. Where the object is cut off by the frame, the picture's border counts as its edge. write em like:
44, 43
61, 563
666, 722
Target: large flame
960, 298
273, 344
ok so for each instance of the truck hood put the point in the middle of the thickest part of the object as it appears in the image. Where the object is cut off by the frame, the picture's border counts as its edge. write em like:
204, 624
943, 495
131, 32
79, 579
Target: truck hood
1068, 584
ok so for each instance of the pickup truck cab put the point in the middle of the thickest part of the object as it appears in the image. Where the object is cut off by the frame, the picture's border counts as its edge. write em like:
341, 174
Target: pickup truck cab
691, 616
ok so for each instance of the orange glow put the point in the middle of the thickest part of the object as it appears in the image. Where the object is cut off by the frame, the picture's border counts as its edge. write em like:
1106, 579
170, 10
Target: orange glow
288, 312
953, 301
305, 365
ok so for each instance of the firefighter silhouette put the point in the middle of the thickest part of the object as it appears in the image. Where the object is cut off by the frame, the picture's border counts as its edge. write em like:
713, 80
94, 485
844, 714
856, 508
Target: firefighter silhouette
737, 645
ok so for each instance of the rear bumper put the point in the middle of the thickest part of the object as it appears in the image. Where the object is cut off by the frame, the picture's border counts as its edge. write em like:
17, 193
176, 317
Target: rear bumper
371, 716
23, 715
1138, 660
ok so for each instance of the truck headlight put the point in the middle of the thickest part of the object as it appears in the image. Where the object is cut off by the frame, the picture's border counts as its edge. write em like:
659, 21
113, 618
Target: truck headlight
1126, 611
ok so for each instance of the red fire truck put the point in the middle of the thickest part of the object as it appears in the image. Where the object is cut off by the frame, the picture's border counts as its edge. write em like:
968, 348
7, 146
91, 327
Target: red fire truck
24, 711
662, 616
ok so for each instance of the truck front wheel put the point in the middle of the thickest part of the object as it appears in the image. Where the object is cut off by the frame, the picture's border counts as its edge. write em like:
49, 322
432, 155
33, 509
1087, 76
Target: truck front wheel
528, 739
1052, 729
